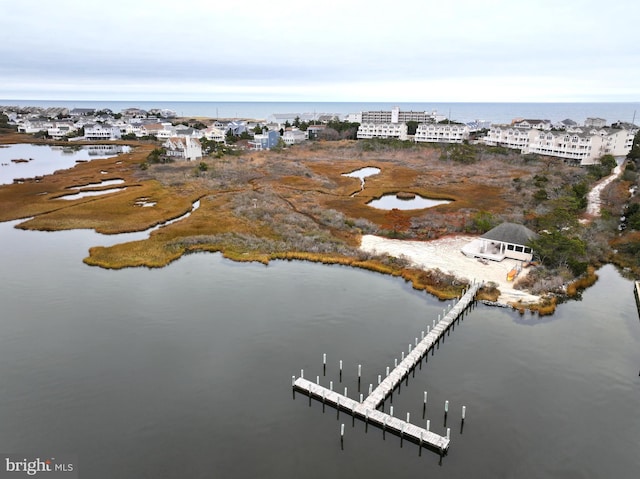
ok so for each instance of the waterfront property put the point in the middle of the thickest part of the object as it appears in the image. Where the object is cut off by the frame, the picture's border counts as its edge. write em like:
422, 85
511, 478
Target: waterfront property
507, 240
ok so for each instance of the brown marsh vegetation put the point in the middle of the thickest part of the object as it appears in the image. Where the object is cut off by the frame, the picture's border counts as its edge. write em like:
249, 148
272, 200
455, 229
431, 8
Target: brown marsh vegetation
294, 203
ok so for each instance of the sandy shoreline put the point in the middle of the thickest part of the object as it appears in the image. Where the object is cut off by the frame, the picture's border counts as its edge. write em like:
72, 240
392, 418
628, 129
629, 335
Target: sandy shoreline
445, 255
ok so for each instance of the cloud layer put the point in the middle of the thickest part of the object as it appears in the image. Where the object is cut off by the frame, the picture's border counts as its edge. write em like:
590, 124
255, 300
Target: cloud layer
371, 50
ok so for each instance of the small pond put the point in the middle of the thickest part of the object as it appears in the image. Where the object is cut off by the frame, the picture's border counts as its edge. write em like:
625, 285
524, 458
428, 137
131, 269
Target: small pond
392, 201
363, 173
29, 161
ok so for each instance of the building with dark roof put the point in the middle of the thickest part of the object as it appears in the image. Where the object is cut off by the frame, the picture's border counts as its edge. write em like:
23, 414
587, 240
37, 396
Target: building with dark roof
507, 240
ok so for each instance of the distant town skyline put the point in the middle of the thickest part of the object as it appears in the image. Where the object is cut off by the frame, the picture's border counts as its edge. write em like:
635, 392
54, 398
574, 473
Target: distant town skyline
411, 50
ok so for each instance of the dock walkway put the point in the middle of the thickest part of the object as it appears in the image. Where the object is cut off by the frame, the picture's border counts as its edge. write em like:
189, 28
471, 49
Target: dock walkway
368, 411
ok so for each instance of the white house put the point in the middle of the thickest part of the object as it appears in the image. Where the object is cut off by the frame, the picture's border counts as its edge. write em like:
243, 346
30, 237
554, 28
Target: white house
100, 131
293, 136
595, 122
382, 130
532, 124
61, 130
214, 134
184, 147
441, 133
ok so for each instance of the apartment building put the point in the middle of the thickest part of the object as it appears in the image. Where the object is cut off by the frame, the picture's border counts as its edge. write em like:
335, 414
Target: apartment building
382, 130
441, 133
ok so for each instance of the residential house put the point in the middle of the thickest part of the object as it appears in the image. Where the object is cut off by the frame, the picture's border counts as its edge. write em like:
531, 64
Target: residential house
61, 129
291, 136
184, 147
35, 125
265, 141
532, 124
214, 134
507, 240
314, 130
595, 122
101, 131
82, 112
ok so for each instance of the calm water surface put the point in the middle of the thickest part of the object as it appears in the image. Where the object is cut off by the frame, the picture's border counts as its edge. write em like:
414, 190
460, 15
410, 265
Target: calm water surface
391, 201
44, 159
186, 371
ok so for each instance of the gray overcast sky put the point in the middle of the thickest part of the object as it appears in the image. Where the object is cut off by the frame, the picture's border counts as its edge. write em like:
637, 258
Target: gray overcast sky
326, 50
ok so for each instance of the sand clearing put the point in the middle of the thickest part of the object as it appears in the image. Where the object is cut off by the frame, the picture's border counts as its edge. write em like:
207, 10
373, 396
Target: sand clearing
445, 255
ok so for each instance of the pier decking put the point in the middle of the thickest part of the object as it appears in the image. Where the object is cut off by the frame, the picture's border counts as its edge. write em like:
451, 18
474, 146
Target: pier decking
367, 409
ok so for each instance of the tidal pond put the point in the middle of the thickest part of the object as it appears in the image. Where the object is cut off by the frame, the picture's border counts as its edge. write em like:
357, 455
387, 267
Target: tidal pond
30, 161
393, 201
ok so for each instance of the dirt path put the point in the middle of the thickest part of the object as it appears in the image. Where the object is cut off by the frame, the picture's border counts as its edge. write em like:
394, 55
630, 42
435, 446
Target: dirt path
594, 201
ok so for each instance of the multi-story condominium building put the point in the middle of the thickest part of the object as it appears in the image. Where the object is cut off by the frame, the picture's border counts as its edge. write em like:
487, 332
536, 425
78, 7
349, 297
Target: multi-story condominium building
441, 133
583, 145
514, 138
382, 130
395, 115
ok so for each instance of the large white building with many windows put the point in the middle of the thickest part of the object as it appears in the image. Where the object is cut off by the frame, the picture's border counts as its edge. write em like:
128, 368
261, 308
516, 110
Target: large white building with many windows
583, 145
441, 133
382, 130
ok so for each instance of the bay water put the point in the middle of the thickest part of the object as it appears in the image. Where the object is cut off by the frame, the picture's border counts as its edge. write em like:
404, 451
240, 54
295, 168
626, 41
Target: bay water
185, 371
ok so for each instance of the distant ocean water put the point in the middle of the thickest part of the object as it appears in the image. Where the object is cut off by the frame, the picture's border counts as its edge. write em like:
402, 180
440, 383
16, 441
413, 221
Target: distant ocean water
465, 112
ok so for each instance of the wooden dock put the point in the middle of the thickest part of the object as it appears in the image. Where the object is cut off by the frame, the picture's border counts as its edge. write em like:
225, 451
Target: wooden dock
368, 409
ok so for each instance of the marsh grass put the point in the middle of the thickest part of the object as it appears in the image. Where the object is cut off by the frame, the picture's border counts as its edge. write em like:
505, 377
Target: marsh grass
292, 204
